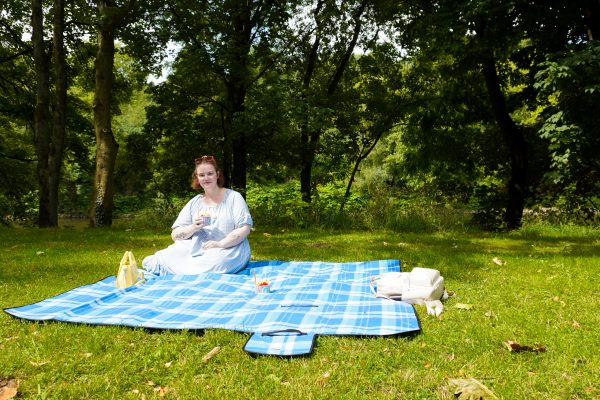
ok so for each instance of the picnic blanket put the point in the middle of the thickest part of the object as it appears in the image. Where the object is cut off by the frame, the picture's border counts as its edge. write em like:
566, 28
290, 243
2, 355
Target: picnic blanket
321, 298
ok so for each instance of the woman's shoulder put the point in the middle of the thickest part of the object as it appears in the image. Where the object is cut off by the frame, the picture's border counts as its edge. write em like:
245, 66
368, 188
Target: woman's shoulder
195, 199
232, 195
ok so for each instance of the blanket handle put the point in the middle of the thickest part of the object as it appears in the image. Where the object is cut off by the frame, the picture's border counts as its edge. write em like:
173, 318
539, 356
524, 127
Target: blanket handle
275, 333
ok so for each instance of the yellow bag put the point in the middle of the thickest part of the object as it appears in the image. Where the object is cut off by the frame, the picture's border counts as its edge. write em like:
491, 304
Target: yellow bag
128, 272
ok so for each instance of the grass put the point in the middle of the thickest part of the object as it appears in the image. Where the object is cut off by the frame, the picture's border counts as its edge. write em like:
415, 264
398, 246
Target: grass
546, 293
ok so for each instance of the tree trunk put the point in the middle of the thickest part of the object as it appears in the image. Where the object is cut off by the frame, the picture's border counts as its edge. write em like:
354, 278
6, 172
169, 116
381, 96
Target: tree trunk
106, 145
306, 152
42, 113
592, 18
237, 140
363, 153
60, 110
237, 86
515, 140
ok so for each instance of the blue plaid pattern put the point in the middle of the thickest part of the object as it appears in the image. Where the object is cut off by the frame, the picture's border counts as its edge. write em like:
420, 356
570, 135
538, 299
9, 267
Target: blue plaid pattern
315, 297
281, 343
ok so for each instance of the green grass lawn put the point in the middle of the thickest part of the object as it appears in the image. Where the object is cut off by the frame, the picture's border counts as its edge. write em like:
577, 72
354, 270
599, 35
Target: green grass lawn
546, 294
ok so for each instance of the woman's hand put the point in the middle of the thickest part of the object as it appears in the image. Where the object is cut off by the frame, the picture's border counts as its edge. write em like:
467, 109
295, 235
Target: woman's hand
186, 232
234, 238
211, 244
198, 223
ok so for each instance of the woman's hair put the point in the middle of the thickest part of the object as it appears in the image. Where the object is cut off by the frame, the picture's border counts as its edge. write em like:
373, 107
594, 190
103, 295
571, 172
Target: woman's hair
207, 160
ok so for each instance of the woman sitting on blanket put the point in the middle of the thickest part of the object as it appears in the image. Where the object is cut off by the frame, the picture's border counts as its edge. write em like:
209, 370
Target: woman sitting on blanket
210, 233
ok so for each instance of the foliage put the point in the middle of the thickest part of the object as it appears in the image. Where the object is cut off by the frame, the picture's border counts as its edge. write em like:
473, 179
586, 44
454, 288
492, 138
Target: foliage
17, 180
413, 85
569, 90
282, 206
372, 206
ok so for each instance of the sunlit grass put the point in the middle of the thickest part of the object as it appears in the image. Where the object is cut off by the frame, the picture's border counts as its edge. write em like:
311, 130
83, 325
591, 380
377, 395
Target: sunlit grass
545, 292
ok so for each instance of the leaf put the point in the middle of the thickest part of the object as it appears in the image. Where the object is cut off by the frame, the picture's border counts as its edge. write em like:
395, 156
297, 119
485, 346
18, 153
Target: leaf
8, 388
162, 391
211, 354
498, 261
322, 380
515, 347
470, 389
168, 364
38, 363
462, 306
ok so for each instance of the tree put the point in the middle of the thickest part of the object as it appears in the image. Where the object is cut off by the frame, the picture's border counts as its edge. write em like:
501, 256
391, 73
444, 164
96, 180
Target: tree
505, 43
225, 52
111, 19
324, 95
569, 91
376, 107
18, 180
50, 136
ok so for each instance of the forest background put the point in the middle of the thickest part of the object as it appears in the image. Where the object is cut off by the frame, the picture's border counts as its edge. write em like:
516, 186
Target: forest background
368, 113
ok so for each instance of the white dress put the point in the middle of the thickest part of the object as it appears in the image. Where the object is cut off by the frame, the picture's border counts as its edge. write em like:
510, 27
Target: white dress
186, 257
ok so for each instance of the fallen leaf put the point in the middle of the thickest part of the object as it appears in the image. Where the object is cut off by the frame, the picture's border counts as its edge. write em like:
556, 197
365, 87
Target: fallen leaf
385, 243
575, 324
87, 355
498, 261
266, 234
162, 391
323, 379
39, 253
558, 300
470, 389
211, 354
426, 365
8, 388
451, 357
38, 363
489, 314
515, 347
168, 364
150, 383
462, 306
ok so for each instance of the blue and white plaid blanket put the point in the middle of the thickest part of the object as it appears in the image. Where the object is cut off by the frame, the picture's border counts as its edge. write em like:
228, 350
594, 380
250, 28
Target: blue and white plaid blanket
315, 297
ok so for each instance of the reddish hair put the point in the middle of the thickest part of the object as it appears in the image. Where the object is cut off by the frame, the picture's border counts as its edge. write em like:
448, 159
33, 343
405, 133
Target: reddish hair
207, 160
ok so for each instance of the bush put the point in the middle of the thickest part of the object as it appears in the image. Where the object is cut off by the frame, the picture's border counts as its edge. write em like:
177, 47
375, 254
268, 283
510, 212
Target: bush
379, 207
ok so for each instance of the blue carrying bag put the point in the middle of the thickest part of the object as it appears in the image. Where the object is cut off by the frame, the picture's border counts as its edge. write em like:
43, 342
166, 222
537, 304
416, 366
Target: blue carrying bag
285, 342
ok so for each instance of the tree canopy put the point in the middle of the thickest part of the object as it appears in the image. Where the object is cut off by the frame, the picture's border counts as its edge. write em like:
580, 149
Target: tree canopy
491, 104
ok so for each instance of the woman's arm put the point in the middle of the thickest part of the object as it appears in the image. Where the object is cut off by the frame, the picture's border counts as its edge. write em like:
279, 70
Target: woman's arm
235, 237
186, 232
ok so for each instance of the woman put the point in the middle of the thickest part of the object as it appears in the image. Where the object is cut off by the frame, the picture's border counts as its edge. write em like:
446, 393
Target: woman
210, 233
